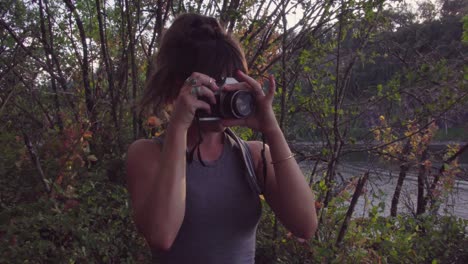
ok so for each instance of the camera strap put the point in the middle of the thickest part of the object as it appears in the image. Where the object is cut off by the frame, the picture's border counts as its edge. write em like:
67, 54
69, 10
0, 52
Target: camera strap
247, 159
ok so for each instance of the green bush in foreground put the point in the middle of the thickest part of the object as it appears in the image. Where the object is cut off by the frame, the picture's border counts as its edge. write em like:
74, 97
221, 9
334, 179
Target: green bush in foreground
92, 224
375, 239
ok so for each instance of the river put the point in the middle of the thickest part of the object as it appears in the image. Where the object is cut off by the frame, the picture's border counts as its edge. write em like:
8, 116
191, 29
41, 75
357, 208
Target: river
382, 181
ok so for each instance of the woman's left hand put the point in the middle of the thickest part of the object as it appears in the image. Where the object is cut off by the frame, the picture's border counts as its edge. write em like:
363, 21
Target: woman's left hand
263, 119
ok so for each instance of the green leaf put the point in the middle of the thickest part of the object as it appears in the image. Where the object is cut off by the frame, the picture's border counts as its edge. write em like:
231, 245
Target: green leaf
446, 166
379, 89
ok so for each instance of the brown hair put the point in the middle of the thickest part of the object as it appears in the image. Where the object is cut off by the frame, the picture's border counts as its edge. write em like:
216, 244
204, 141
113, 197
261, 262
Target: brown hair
193, 43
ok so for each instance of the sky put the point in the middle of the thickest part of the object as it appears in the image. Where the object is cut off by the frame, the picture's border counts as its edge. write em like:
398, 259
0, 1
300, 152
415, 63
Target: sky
413, 4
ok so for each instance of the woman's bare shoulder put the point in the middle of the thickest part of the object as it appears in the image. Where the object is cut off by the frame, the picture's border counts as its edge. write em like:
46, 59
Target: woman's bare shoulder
144, 148
256, 148
143, 157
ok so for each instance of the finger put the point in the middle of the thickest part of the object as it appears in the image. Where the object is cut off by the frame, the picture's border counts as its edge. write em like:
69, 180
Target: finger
204, 91
272, 87
243, 86
237, 86
251, 82
199, 104
202, 79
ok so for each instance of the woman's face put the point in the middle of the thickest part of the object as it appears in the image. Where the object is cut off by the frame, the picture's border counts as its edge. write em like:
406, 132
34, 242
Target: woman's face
211, 126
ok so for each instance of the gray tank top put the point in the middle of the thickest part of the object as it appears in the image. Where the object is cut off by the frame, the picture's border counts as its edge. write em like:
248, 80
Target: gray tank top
221, 214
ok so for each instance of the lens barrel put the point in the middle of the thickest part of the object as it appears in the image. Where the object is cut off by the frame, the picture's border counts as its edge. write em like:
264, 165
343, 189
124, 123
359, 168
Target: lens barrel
238, 104
229, 104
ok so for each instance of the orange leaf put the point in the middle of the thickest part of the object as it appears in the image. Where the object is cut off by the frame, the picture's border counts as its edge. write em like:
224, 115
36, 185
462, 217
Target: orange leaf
88, 135
318, 205
153, 121
59, 179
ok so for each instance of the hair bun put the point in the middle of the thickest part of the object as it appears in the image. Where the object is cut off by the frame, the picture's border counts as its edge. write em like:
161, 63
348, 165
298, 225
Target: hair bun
205, 30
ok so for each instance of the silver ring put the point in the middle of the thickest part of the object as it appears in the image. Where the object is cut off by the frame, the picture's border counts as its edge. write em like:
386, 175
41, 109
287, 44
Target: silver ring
191, 80
195, 90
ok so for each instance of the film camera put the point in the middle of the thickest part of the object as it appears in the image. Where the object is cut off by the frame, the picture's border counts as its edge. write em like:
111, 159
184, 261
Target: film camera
237, 104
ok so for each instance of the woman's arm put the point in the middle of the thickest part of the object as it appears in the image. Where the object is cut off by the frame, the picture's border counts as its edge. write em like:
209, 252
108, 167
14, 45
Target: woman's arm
287, 191
285, 187
156, 182
156, 175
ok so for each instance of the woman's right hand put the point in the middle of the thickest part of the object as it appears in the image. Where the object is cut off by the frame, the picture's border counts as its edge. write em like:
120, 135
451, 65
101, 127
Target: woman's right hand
187, 102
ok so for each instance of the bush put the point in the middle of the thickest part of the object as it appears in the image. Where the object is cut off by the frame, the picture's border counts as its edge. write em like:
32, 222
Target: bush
89, 221
89, 225
92, 224
376, 239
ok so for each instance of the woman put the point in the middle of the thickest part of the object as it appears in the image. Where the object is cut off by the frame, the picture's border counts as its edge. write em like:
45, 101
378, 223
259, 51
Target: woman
196, 206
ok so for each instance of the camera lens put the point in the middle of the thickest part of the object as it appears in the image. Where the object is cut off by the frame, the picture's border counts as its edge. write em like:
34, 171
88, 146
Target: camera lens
242, 104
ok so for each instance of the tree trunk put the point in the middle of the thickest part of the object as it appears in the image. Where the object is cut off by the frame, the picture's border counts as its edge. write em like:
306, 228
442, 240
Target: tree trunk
401, 178
35, 160
331, 171
84, 67
421, 180
131, 37
360, 185
48, 48
110, 74
429, 196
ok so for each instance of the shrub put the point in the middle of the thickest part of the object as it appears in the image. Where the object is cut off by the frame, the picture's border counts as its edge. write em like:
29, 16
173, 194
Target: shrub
91, 224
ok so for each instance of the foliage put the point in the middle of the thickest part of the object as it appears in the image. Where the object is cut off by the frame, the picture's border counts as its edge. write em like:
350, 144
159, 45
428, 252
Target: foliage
374, 239
94, 225
353, 77
91, 224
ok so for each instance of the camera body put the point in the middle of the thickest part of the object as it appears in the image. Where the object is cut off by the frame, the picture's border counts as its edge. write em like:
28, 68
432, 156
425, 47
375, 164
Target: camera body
237, 104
